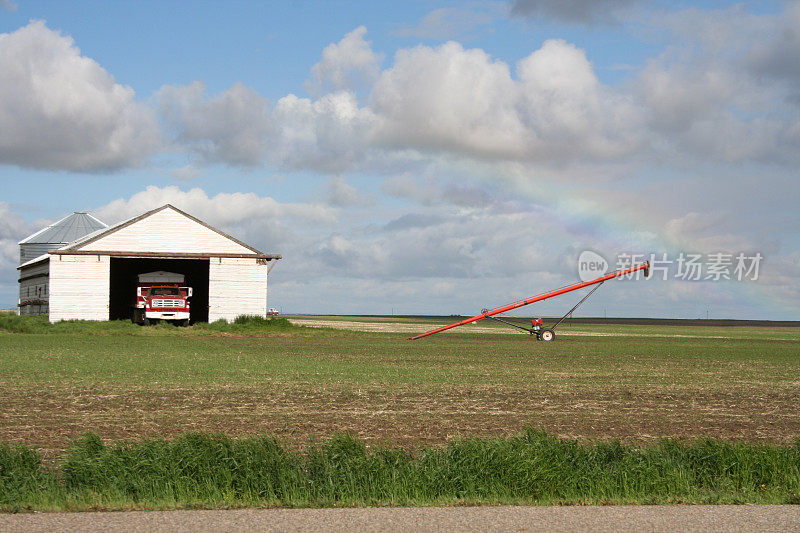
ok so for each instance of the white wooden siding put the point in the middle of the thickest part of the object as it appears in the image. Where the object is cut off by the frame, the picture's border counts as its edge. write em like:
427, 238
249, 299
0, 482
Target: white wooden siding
79, 287
236, 287
166, 231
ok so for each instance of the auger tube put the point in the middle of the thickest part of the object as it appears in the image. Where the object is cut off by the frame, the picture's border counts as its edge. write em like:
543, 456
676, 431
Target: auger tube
533, 299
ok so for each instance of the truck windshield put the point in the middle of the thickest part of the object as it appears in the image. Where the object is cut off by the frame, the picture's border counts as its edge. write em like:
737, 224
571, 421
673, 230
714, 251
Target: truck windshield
165, 291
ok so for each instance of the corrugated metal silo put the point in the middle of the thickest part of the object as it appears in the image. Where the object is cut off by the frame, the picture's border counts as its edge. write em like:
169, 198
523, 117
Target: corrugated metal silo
58, 234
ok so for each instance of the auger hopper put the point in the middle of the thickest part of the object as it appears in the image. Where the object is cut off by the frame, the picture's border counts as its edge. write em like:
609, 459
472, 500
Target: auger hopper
537, 324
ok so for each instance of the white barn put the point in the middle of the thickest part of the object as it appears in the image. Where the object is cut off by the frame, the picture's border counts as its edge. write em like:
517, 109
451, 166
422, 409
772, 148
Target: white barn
94, 277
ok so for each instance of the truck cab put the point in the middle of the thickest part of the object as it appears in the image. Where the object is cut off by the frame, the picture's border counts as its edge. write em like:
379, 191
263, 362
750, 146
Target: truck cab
162, 296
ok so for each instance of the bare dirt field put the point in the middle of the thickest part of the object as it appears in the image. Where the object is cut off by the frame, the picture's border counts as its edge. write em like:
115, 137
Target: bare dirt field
635, 383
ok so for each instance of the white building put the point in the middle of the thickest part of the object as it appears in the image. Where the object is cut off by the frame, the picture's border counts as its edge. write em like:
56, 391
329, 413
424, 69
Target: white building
94, 277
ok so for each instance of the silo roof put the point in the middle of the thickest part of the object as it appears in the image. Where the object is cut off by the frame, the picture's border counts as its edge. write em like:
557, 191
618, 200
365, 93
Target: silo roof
66, 230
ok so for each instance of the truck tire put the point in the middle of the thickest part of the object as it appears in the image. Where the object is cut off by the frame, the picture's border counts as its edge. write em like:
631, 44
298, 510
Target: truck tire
145, 321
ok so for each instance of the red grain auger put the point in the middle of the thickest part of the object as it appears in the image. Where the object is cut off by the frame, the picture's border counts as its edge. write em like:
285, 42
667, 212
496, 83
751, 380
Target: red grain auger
537, 325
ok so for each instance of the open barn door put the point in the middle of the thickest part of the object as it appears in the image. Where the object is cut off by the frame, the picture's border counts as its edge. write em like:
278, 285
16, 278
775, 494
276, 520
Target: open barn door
124, 272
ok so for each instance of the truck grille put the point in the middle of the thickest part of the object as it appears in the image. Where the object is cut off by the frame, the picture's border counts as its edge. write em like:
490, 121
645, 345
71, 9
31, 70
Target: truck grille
164, 302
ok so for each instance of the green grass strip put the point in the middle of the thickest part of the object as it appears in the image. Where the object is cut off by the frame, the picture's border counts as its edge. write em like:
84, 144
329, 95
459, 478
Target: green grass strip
199, 470
12, 323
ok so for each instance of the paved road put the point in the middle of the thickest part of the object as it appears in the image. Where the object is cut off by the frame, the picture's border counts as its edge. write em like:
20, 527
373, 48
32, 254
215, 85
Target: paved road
621, 518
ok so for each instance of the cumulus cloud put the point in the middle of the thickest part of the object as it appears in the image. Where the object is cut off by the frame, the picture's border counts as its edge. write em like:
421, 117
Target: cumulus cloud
186, 172
444, 246
776, 55
341, 194
574, 11
261, 221
330, 134
469, 103
428, 191
222, 209
13, 229
721, 88
232, 127
60, 110
239, 128
12, 225
707, 233
349, 64
700, 98
445, 100
448, 98
567, 110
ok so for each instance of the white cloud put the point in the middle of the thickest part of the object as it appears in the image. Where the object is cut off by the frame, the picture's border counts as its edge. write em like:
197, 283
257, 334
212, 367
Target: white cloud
776, 53
448, 98
233, 127
13, 229
567, 110
238, 128
725, 87
12, 225
60, 110
257, 220
341, 194
349, 64
706, 233
447, 103
451, 99
330, 134
429, 191
186, 172
223, 208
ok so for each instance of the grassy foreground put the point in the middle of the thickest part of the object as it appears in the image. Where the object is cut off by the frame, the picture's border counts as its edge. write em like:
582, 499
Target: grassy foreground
203, 470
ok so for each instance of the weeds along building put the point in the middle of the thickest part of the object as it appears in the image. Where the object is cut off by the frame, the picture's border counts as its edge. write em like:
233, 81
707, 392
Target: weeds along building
94, 275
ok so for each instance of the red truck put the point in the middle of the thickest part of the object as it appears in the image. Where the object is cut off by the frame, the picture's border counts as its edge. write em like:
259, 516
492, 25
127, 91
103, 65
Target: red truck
161, 296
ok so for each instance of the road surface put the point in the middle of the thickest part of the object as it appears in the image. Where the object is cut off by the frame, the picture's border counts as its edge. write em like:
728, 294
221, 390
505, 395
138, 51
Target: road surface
417, 519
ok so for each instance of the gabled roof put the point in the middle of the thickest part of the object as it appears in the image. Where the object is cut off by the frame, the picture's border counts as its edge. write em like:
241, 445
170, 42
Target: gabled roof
76, 246
66, 230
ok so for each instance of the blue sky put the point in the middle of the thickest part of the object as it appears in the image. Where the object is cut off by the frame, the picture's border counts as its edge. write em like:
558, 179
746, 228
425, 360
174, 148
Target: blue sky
426, 157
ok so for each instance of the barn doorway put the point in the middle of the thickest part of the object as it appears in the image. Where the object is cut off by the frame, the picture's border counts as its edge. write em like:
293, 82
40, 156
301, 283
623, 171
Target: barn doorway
123, 277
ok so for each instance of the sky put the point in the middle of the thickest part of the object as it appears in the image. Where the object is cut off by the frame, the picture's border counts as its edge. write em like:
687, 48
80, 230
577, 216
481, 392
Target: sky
425, 157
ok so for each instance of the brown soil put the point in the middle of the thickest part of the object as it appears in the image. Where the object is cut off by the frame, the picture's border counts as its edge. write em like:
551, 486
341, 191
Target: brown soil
49, 416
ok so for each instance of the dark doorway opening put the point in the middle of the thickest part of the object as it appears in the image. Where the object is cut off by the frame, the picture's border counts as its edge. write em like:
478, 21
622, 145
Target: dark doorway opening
124, 272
